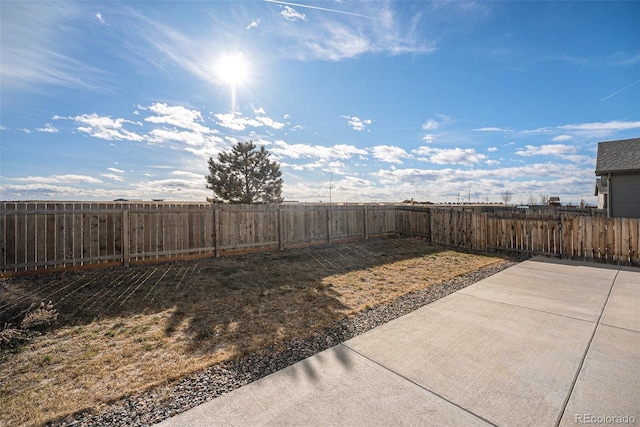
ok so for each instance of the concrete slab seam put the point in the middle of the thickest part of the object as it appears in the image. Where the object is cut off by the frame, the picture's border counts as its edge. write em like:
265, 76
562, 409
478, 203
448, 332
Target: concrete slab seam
528, 308
584, 355
608, 266
421, 386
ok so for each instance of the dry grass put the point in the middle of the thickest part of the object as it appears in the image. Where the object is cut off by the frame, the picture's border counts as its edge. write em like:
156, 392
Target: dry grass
120, 331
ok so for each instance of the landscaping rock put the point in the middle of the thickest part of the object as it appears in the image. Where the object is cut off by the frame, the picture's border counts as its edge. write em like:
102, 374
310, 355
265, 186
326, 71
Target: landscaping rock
160, 403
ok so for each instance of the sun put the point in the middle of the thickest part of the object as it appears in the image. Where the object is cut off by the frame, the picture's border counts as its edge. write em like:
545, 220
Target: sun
233, 69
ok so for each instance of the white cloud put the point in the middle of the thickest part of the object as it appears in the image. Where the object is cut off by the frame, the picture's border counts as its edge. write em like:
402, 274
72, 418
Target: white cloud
253, 24
435, 123
339, 43
174, 185
178, 116
211, 146
266, 121
588, 162
380, 29
567, 181
347, 188
113, 176
59, 179
547, 150
76, 192
492, 129
455, 156
297, 151
560, 138
187, 174
176, 124
337, 167
356, 123
48, 129
602, 127
168, 135
492, 149
389, 154
231, 121
236, 121
290, 14
459, 156
100, 19
304, 166
589, 130
430, 124
106, 128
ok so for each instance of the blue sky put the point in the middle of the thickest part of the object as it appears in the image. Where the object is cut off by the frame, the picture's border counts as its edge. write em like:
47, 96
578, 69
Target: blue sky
385, 100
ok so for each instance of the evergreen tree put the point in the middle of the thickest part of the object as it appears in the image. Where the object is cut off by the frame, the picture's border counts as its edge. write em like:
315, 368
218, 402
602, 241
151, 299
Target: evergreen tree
245, 175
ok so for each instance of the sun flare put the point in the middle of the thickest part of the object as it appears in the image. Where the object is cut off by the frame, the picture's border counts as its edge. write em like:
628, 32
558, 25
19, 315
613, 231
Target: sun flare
233, 69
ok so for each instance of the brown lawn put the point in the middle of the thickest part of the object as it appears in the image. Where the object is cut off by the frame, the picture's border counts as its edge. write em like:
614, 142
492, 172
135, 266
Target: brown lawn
125, 330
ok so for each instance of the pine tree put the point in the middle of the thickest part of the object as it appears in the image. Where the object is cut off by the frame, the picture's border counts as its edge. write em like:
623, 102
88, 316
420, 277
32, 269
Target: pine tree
245, 175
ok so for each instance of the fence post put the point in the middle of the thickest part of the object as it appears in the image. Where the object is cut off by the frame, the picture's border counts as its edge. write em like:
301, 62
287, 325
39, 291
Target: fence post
366, 226
329, 224
485, 220
216, 230
560, 231
126, 250
280, 238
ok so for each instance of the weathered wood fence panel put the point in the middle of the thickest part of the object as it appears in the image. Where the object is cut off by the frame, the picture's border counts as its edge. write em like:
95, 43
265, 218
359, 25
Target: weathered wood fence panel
157, 231
246, 228
380, 220
413, 221
51, 235
302, 226
588, 238
37, 236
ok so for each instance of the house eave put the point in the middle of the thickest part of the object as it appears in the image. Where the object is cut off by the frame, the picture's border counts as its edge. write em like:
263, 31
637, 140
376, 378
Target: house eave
606, 172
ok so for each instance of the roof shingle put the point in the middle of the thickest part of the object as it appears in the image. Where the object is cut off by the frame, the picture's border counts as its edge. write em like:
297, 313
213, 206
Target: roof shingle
618, 156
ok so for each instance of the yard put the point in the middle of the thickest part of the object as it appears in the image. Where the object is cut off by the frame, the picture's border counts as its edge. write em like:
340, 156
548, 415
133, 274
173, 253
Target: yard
120, 331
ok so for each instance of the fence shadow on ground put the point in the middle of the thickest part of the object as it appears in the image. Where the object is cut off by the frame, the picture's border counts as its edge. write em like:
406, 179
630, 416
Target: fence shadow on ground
248, 299
121, 331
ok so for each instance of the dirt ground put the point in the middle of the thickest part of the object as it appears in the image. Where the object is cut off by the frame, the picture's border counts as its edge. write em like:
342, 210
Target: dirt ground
123, 330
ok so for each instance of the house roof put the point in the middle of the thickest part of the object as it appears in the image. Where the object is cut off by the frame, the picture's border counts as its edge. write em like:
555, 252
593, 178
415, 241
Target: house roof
618, 156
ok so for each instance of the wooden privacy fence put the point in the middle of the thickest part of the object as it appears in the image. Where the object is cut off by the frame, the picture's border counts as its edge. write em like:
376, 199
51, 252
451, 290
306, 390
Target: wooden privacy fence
36, 236
589, 238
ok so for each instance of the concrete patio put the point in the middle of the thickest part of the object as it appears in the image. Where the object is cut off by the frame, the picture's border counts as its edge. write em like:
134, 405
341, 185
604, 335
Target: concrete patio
544, 343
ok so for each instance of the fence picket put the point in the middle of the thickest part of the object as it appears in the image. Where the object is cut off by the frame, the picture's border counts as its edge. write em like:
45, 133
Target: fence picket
49, 235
